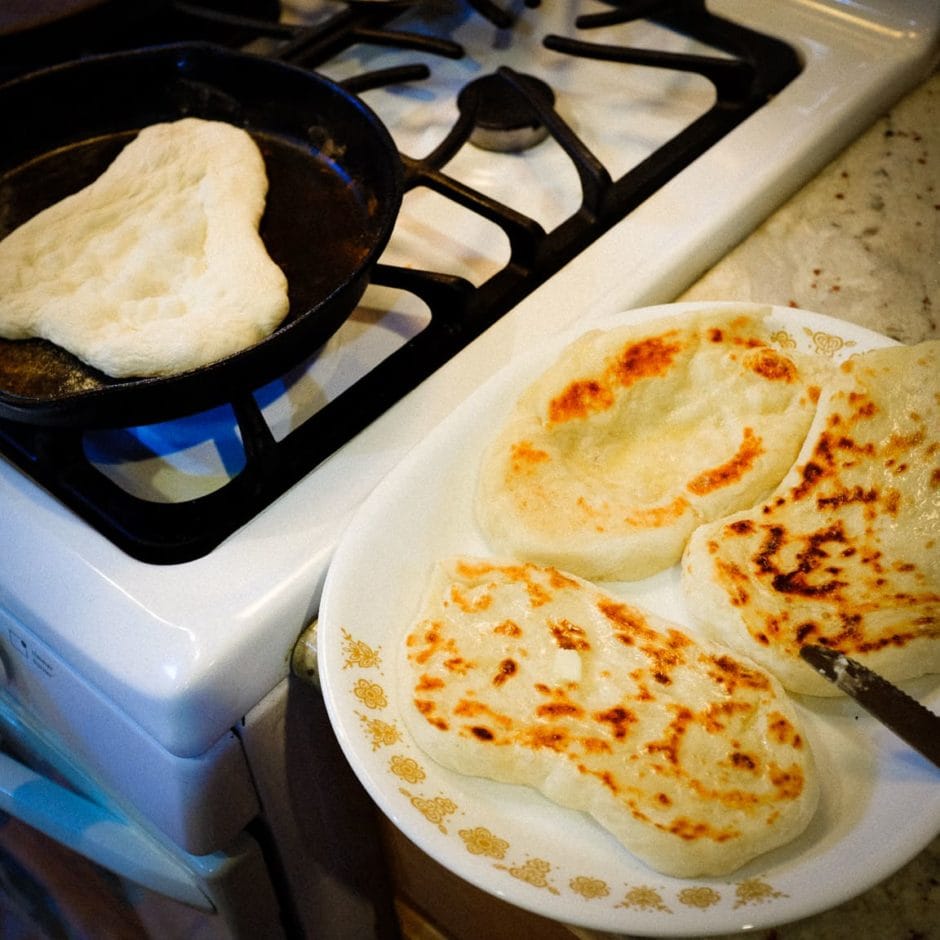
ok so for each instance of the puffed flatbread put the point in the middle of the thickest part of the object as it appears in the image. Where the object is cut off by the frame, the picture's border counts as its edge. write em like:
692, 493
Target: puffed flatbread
157, 266
846, 552
638, 434
691, 756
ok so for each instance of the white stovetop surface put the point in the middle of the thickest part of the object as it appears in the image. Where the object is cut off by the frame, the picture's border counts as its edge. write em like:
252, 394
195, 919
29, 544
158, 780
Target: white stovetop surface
186, 650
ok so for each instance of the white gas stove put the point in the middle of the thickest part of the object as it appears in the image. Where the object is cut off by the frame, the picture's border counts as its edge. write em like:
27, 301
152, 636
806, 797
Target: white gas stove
135, 662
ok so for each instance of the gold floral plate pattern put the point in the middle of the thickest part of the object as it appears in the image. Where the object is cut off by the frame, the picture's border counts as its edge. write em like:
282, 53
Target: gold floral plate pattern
511, 841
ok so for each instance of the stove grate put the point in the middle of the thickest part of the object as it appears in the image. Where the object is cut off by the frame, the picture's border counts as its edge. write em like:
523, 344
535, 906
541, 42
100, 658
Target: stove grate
753, 69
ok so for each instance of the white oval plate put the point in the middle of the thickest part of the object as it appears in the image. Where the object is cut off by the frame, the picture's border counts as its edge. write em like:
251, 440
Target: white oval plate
880, 802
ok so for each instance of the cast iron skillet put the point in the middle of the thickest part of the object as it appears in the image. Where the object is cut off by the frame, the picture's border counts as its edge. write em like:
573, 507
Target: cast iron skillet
335, 188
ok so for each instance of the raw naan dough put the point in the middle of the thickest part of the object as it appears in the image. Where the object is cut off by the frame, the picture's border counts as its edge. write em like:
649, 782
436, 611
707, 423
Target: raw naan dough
157, 266
846, 552
637, 435
692, 757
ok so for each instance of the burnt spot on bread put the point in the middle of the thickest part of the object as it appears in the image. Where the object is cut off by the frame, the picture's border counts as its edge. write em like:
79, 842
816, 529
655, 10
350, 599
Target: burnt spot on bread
844, 630
781, 730
655, 517
645, 359
473, 570
773, 539
665, 655
741, 527
788, 782
469, 602
508, 628
836, 449
805, 631
814, 572
720, 715
505, 671
568, 635
580, 399
812, 576
457, 665
669, 745
559, 710
428, 683
796, 582
583, 397
811, 473
428, 641
560, 705
741, 761
559, 580
618, 719
735, 580
772, 366
592, 745
628, 622
480, 721
538, 595
664, 650
551, 738
427, 709
523, 455
845, 497
750, 449
604, 777
926, 627
733, 675
862, 405
691, 831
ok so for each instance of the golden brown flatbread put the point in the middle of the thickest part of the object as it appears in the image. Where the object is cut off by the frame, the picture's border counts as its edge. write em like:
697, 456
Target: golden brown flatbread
691, 756
846, 552
637, 435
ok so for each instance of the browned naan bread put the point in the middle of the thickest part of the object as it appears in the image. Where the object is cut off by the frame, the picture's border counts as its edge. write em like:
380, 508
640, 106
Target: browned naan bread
640, 433
846, 552
691, 756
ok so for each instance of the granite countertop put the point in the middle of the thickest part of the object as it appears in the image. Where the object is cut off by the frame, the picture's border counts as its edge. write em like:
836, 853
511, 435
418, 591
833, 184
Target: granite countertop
861, 242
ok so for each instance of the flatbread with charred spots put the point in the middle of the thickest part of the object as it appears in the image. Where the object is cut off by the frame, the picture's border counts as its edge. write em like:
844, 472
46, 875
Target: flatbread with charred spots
846, 552
638, 434
691, 756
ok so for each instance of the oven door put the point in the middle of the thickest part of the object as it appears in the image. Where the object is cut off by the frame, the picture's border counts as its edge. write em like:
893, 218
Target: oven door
67, 853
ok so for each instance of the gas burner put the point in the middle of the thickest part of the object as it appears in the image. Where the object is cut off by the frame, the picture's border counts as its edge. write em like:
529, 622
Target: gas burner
505, 118
482, 227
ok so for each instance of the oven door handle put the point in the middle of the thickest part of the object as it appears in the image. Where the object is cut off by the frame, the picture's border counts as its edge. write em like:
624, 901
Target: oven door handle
94, 832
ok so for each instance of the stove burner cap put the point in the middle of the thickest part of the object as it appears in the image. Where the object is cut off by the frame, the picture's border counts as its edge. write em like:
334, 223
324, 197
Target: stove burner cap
506, 121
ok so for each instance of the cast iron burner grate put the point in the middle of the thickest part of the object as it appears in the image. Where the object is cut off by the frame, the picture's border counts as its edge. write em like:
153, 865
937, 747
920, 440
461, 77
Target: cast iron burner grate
754, 68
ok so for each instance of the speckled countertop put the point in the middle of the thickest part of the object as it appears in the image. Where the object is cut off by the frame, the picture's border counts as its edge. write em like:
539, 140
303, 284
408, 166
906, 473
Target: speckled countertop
861, 242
